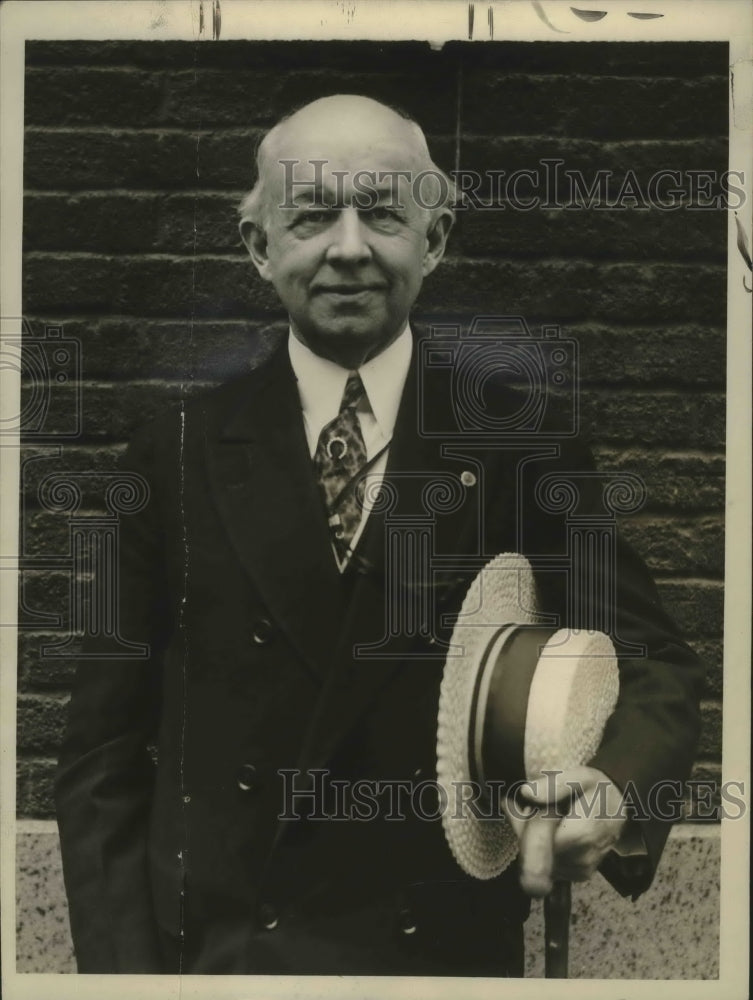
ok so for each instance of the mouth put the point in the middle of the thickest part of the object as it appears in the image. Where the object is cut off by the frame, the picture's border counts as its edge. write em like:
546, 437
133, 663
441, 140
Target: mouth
347, 290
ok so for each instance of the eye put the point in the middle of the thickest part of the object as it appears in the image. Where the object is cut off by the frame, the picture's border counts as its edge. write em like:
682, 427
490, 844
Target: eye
311, 218
314, 216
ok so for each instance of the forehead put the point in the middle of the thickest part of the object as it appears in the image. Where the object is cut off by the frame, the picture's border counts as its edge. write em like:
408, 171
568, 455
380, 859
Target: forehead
344, 144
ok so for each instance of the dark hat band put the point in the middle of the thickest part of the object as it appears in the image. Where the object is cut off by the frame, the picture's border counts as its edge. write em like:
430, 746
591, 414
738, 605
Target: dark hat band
500, 703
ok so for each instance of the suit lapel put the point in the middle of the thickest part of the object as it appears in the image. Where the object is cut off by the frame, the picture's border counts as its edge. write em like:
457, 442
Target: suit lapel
261, 476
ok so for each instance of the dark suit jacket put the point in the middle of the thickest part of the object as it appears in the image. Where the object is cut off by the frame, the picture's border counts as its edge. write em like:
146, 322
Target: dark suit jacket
228, 575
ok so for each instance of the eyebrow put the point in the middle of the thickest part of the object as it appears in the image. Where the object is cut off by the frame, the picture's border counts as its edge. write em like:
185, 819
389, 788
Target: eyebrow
317, 193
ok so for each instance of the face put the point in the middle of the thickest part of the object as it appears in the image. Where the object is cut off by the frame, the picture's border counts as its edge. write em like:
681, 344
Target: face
346, 252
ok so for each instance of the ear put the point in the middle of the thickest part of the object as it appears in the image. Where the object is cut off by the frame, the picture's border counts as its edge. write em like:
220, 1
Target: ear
255, 240
436, 239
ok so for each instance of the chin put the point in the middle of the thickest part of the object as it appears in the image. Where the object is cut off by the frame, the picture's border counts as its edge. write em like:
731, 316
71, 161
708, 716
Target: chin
348, 348
341, 329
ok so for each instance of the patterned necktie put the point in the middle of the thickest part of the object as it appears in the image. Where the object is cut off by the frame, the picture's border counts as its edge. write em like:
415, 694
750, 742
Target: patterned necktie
340, 455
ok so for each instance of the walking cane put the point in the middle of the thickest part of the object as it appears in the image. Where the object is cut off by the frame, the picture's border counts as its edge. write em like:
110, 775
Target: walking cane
556, 902
556, 930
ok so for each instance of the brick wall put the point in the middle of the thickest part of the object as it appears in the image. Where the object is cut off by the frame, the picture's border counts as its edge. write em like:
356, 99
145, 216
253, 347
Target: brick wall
137, 153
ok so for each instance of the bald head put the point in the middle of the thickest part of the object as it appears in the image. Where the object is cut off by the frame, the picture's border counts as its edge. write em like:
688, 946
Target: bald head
342, 128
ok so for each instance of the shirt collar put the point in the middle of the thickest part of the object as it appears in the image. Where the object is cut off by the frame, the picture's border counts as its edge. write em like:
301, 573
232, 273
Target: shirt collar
321, 382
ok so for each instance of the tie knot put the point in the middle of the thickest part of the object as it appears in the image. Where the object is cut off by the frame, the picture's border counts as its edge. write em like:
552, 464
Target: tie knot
353, 392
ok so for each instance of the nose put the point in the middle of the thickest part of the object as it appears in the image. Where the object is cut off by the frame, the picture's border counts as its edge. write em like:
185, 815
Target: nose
349, 243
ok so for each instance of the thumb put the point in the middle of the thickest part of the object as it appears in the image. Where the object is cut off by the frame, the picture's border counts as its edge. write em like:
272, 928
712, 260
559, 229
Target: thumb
537, 854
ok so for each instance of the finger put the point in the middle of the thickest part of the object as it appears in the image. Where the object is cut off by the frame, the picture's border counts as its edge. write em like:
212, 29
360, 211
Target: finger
537, 855
578, 835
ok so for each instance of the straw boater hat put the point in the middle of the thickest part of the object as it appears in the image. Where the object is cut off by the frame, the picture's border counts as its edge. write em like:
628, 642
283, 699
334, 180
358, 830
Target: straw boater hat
517, 698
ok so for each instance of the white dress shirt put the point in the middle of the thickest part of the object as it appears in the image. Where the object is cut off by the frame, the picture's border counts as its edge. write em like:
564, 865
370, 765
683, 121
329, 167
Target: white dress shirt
321, 384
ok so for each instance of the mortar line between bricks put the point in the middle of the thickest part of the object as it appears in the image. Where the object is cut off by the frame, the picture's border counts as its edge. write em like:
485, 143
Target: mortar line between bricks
693, 260
577, 327
610, 145
523, 262
621, 389
655, 387
247, 131
80, 511
85, 255
603, 450
112, 130
451, 262
644, 517
189, 72
122, 192
131, 318
58, 696
692, 453
492, 138
659, 390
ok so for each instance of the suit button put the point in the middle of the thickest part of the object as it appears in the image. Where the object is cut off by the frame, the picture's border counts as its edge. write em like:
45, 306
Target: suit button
267, 916
263, 631
406, 923
247, 778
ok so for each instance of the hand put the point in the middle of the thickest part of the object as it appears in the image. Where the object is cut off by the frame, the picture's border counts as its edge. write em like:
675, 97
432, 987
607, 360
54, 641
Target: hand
571, 840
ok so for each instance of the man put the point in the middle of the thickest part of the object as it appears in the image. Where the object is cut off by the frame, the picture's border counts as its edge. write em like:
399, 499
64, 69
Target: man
262, 577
